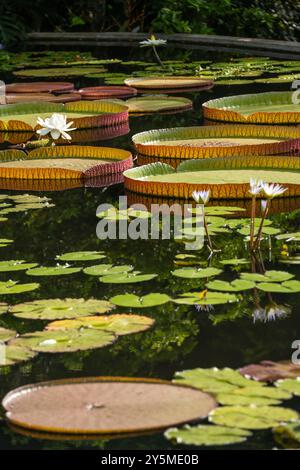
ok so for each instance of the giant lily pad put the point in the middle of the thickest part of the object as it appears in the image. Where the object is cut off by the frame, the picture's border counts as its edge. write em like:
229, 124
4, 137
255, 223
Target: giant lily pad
169, 83
84, 114
15, 265
211, 173
131, 300
12, 287
105, 405
62, 341
11, 355
118, 324
157, 104
271, 108
81, 256
270, 371
196, 273
216, 141
58, 72
207, 435
63, 162
56, 309
247, 417
104, 92
39, 87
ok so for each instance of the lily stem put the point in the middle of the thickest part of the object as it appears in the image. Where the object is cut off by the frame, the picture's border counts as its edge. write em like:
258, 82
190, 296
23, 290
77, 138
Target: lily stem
207, 234
252, 223
258, 237
157, 56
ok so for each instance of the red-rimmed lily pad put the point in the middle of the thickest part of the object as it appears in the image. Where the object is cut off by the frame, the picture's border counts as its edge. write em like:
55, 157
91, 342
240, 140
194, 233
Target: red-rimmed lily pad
106, 92
39, 87
158, 83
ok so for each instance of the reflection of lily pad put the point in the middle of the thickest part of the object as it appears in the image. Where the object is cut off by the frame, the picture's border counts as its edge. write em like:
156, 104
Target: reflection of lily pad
6, 335
13, 354
81, 256
247, 417
207, 435
235, 286
64, 340
15, 265
118, 324
207, 298
105, 405
196, 273
131, 300
52, 271
12, 287
52, 309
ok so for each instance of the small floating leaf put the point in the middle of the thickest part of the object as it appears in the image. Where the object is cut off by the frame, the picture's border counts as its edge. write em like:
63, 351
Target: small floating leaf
106, 269
240, 400
3, 308
5, 241
270, 371
81, 256
131, 300
15, 265
207, 435
196, 273
12, 287
234, 261
287, 287
52, 271
127, 278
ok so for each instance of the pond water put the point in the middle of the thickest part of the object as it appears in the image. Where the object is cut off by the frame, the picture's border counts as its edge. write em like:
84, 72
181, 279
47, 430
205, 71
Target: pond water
182, 337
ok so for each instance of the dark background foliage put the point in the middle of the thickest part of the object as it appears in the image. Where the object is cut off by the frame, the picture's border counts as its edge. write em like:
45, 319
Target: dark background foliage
277, 19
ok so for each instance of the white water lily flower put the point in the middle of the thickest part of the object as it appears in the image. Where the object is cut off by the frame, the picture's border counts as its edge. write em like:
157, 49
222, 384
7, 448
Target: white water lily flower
255, 186
201, 197
152, 41
56, 125
273, 190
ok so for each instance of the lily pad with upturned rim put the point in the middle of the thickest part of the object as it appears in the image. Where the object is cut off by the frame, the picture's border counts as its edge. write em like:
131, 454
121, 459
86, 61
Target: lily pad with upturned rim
157, 104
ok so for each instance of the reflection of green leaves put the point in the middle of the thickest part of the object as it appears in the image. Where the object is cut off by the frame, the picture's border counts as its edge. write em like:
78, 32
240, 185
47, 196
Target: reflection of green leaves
52, 271
131, 300
15, 265
52, 309
119, 324
14, 354
81, 256
247, 417
268, 276
209, 298
127, 278
64, 340
207, 435
235, 286
12, 287
196, 273
107, 269
6, 335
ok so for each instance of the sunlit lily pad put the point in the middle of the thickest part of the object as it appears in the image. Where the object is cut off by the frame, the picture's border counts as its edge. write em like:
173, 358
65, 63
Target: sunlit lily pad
131, 300
55, 309
107, 269
247, 417
290, 385
11, 354
127, 278
235, 286
294, 236
196, 273
81, 256
5, 241
287, 287
234, 261
6, 335
268, 276
119, 324
52, 271
15, 265
12, 287
207, 435
290, 259
61, 341
258, 396
155, 104
206, 298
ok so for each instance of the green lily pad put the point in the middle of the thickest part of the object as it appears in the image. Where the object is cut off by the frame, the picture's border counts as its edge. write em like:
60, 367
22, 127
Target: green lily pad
6, 335
12, 287
247, 417
290, 260
131, 300
52, 271
210, 298
61, 341
56, 309
107, 269
235, 286
3, 308
15, 265
287, 287
11, 355
240, 400
58, 72
119, 324
290, 385
207, 435
5, 241
81, 256
196, 273
294, 236
268, 276
234, 261
127, 278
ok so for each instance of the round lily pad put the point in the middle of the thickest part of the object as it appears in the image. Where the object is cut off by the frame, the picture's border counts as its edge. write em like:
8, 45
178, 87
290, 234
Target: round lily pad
131, 300
235, 286
247, 417
12, 287
127, 278
101, 92
207, 435
106, 269
52, 271
10, 354
268, 276
196, 273
56, 309
81, 256
206, 298
39, 87
290, 385
15, 265
156, 104
119, 324
62, 341
6, 335
105, 405
241, 400
287, 287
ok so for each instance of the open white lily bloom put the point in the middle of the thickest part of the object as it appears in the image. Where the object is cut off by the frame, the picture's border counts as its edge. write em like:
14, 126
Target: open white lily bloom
152, 41
255, 186
56, 125
201, 197
272, 190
